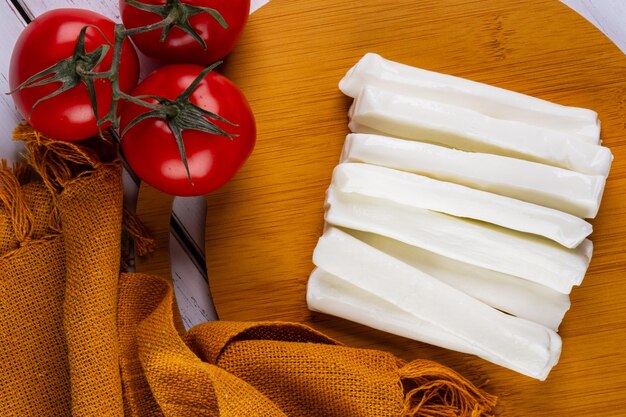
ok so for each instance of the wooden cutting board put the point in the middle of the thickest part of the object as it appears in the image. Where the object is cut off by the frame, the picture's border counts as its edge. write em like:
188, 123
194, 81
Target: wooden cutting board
262, 227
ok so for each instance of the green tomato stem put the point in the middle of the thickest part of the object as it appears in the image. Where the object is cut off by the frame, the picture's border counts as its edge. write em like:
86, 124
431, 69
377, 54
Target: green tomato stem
135, 31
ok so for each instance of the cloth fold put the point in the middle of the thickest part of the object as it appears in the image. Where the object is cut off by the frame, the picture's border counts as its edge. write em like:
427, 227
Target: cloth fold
77, 337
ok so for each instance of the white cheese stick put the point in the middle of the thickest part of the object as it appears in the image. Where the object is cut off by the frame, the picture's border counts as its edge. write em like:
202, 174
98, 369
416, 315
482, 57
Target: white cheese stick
457, 127
516, 296
329, 294
492, 247
558, 188
518, 344
492, 101
457, 200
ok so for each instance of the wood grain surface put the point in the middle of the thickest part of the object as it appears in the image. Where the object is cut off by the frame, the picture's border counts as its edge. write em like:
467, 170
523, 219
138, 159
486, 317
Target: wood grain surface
262, 227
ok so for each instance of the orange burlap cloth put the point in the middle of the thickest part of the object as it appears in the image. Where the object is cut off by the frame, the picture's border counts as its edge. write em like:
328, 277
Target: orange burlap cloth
79, 338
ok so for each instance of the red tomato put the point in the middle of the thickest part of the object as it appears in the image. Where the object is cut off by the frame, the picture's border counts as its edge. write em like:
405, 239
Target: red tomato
49, 39
180, 47
151, 149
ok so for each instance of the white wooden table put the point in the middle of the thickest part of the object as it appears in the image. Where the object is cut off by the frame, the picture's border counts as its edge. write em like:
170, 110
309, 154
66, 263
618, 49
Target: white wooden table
187, 236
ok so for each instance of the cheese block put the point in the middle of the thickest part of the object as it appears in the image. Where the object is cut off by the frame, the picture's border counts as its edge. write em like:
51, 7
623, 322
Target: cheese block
553, 187
492, 247
462, 128
518, 344
461, 201
513, 295
492, 101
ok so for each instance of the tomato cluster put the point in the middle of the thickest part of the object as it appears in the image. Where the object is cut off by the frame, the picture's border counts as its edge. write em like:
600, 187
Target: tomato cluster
68, 77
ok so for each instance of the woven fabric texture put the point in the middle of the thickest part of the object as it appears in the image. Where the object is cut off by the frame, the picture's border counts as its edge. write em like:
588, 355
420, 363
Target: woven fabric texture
77, 338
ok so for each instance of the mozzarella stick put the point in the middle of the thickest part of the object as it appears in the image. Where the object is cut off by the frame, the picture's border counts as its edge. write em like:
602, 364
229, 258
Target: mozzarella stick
492, 101
457, 200
518, 344
480, 244
329, 294
557, 188
516, 296
457, 127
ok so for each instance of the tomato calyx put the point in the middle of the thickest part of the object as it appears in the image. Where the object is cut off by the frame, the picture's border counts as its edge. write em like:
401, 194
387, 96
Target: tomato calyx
176, 14
70, 72
180, 114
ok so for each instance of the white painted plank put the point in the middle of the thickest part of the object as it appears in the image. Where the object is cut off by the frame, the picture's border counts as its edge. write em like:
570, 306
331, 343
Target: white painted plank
108, 8
192, 212
191, 286
257, 4
606, 15
11, 25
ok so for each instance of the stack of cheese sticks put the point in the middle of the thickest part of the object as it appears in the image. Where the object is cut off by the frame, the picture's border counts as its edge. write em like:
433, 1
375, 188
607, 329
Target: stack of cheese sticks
456, 214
